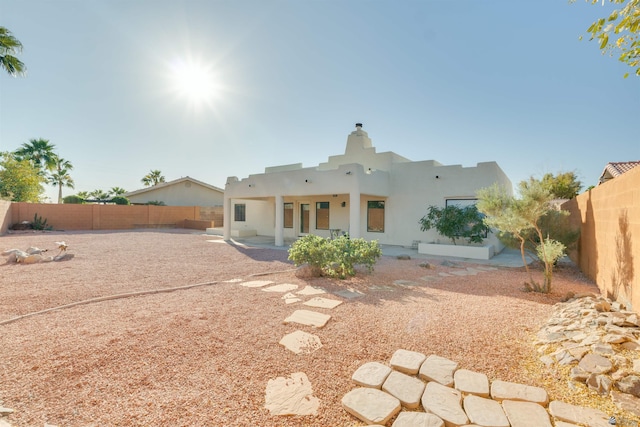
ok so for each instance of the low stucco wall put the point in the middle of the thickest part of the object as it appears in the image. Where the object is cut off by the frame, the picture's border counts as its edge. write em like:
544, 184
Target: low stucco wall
104, 217
608, 251
5, 216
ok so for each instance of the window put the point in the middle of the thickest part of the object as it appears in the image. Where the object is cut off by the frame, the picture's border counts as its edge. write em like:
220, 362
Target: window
322, 215
288, 215
240, 212
375, 216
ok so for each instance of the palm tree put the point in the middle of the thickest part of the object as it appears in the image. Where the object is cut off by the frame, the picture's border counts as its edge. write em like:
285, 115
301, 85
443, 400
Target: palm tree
153, 178
40, 153
9, 46
100, 196
117, 191
60, 176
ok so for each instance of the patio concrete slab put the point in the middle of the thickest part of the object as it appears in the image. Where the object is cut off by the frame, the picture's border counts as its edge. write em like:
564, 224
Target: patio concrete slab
308, 318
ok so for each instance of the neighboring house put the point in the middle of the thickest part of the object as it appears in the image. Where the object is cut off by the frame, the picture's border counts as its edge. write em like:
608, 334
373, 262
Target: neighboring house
615, 169
180, 192
377, 196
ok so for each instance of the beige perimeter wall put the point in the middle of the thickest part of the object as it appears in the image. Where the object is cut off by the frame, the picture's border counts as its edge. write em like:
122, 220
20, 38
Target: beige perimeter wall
5, 216
609, 248
107, 217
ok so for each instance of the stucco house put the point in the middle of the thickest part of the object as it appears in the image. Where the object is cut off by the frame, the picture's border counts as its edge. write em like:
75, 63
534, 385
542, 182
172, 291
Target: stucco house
184, 191
376, 196
615, 169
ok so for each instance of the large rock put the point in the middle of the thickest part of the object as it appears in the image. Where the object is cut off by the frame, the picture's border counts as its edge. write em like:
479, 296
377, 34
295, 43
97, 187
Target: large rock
445, 402
371, 405
417, 419
371, 374
525, 414
408, 390
595, 364
470, 382
578, 414
407, 361
438, 369
485, 412
630, 385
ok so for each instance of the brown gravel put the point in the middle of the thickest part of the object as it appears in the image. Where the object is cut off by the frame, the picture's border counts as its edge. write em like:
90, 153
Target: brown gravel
203, 356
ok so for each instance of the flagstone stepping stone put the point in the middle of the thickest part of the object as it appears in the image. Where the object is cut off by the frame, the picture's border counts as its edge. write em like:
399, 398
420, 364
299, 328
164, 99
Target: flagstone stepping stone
290, 298
445, 402
417, 419
470, 382
487, 268
308, 318
443, 274
461, 273
284, 287
438, 369
526, 414
291, 396
405, 283
563, 424
256, 283
301, 342
485, 412
371, 405
322, 302
407, 389
232, 281
578, 414
349, 294
430, 278
504, 390
407, 361
381, 288
371, 374
474, 271
310, 290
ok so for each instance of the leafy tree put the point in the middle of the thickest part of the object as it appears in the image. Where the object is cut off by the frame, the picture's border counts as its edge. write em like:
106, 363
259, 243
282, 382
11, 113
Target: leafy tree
120, 200
456, 222
619, 32
565, 185
60, 176
117, 191
19, 180
154, 177
73, 200
10, 46
519, 218
40, 152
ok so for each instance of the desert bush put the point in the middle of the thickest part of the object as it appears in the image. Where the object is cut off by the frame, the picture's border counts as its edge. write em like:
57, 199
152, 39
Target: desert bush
73, 200
337, 257
40, 223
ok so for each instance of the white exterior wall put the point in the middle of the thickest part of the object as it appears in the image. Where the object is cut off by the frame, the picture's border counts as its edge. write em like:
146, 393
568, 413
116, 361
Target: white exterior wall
360, 175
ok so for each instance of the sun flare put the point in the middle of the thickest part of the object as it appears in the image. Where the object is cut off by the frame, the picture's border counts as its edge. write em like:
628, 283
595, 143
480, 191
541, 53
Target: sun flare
194, 81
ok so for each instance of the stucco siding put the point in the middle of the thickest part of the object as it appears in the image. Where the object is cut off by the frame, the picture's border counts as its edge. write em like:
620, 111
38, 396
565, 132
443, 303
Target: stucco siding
184, 193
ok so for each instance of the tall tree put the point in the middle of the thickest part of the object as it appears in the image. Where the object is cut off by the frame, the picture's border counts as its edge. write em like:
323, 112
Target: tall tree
19, 180
100, 196
619, 32
564, 185
40, 152
60, 177
154, 177
9, 47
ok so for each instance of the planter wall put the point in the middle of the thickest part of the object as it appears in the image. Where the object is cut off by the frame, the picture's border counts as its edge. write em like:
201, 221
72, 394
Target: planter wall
459, 251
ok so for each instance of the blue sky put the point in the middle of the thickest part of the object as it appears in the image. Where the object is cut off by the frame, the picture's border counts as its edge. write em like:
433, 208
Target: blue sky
458, 82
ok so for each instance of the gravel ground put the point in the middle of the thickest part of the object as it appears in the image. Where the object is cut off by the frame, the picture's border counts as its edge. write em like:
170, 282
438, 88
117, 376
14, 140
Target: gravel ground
204, 355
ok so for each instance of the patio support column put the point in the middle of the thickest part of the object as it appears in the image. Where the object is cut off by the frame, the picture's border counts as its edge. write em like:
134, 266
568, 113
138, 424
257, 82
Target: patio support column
354, 210
279, 221
226, 229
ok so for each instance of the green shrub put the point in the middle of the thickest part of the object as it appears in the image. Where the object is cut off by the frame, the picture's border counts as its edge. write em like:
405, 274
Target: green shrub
156, 203
73, 200
39, 223
456, 222
120, 200
337, 257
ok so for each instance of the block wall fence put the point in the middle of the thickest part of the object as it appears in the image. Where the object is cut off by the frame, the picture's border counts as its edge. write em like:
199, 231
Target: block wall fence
608, 251
109, 217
